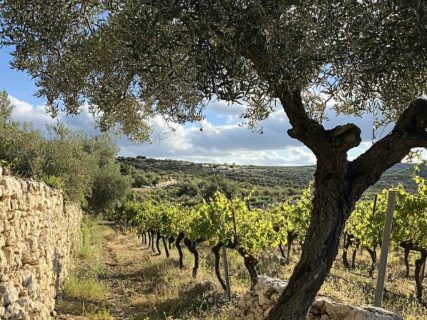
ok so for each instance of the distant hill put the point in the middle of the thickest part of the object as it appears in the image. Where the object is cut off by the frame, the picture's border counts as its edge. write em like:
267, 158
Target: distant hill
272, 182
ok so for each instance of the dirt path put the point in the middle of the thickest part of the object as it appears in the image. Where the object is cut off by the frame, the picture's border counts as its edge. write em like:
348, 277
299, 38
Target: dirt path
141, 285
118, 270
122, 255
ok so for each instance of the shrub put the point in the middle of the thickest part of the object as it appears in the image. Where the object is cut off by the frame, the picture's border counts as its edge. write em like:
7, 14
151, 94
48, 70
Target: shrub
83, 167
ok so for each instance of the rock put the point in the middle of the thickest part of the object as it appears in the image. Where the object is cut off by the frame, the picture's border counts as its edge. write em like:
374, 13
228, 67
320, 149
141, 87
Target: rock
263, 301
257, 304
9, 293
266, 312
37, 236
15, 312
23, 302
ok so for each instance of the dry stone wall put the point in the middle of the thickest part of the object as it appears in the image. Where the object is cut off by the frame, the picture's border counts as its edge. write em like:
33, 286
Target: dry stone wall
38, 233
256, 304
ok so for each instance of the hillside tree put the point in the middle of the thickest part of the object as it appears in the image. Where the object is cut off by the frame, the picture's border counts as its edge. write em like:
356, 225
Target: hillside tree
131, 60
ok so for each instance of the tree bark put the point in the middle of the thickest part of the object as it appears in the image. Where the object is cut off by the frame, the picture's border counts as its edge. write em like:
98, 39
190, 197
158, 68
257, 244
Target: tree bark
282, 251
250, 263
166, 247
331, 208
215, 251
347, 244
419, 275
353, 257
178, 246
171, 241
373, 254
407, 251
290, 238
192, 247
158, 244
339, 183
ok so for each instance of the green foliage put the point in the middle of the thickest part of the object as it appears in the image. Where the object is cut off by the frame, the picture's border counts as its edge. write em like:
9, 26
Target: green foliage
271, 185
188, 188
220, 49
22, 148
218, 183
221, 219
410, 224
82, 167
89, 239
365, 225
6, 107
256, 231
409, 221
292, 217
54, 182
109, 189
143, 179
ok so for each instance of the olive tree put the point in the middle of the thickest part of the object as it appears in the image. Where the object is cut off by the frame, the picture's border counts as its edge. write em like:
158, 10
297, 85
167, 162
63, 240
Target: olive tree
131, 60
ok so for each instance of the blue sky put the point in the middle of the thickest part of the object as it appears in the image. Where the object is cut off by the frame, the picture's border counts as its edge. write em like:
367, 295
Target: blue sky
222, 140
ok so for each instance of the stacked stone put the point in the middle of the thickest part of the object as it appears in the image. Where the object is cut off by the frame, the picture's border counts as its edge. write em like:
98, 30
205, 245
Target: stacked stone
37, 235
256, 304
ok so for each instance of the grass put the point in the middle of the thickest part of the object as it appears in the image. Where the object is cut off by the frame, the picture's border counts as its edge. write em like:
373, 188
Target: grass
86, 292
86, 288
101, 315
356, 287
120, 279
91, 238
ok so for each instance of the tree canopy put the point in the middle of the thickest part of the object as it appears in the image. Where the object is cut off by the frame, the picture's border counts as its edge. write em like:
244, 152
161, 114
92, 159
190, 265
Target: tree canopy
131, 60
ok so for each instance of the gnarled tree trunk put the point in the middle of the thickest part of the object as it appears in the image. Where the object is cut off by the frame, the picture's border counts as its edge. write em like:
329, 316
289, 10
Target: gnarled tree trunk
331, 208
142, 235
192, 247
178, 246
148, 239
347, 244
339, 183
373, 254
250, 263
407, 250
166, 247
158, 237
290, 238
215, 251
282, 251
353, 257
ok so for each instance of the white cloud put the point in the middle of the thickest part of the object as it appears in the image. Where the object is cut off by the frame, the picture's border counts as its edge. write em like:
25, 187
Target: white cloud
222, 139
25, 112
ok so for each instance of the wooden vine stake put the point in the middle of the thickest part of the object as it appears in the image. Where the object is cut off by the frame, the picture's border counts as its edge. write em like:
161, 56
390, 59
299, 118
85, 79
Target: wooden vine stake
379, 292
226, 274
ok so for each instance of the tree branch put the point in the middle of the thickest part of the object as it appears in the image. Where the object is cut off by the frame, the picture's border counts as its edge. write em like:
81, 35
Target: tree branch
410, 132
305, 129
